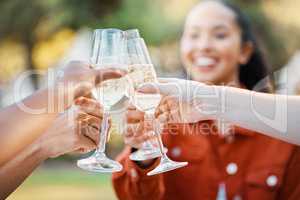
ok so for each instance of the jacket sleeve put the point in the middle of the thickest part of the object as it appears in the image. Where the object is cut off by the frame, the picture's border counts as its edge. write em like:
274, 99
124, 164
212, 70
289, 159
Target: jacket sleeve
291, 184
132, 183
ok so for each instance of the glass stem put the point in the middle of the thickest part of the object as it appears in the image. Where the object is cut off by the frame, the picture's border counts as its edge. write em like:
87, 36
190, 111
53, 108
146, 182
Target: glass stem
149, 116
103, 133
159, 141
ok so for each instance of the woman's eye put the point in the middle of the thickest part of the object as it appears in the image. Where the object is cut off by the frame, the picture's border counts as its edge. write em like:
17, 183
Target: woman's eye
194, 35
221, 35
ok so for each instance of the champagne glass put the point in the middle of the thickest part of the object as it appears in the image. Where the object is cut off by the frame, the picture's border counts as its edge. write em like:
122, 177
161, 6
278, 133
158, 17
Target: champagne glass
107, 49
140, 71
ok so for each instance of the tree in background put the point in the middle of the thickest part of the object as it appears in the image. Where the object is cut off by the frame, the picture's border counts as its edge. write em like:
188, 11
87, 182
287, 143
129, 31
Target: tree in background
151, 17
34, 20
21, 20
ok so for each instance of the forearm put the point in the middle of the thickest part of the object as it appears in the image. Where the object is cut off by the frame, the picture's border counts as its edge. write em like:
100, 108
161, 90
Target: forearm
23, 122
14, 172
274, 115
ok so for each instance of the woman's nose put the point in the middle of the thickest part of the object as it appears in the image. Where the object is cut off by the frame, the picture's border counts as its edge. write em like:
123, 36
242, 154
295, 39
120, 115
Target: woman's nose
204, 44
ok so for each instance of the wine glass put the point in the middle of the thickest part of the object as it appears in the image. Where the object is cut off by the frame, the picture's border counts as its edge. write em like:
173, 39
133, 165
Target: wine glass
140, 71
107, 49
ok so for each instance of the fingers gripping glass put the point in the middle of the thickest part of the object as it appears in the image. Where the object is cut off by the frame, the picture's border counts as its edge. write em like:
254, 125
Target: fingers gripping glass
141, 71
107, 51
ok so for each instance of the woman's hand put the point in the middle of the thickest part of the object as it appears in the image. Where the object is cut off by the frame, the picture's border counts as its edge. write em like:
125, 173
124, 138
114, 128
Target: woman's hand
184, 101
75, 130
137, 130
31, 117
79, 78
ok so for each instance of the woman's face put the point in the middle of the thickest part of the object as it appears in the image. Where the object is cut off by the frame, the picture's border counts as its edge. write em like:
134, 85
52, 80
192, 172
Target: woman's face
211, 47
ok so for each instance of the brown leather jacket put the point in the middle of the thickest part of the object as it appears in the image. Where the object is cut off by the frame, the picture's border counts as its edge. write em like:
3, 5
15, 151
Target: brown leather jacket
245, 165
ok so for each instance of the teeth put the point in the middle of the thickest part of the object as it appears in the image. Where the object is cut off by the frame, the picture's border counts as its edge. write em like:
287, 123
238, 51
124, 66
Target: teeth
202, 62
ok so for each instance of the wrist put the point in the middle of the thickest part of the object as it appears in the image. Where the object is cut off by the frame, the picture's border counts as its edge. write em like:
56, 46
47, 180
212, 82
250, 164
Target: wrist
235, 101
44, 146
39, 152
61, 96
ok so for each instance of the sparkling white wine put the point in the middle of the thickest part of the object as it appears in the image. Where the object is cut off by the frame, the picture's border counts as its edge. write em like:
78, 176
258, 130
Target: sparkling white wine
146, 102
143, 73
111, 91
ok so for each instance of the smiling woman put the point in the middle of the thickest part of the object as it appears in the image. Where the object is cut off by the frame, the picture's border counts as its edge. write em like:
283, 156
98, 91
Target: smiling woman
225, 161
222, 51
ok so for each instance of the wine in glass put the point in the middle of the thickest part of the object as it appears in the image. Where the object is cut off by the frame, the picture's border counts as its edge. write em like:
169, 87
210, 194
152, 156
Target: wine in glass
141, 70
107, 50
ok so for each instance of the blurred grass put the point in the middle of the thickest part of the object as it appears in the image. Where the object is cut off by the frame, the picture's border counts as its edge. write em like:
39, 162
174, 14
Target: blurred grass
61, 184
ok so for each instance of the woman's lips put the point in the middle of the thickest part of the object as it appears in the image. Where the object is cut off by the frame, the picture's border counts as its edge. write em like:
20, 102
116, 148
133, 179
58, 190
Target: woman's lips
205, 64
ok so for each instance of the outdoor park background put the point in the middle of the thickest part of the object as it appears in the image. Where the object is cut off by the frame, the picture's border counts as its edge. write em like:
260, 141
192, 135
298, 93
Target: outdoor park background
37, 35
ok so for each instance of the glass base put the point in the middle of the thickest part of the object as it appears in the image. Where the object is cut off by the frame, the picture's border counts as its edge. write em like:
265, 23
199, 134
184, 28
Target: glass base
98, 162
146, 154
166, 165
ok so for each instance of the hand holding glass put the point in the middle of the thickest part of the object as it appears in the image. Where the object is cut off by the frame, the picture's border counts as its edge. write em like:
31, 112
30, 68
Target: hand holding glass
107, 50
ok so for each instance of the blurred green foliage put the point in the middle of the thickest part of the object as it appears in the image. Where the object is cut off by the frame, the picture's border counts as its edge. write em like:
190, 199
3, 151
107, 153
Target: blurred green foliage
31, 20
148, 16
22, 19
